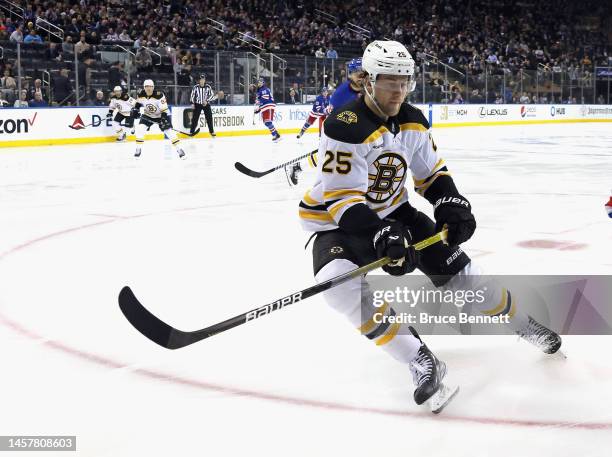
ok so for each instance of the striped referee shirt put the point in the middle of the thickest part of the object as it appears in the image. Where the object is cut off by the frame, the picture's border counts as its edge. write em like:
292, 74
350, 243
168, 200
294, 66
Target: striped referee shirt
201, 95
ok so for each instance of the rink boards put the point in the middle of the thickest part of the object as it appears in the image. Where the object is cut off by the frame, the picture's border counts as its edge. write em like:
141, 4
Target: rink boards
47, 126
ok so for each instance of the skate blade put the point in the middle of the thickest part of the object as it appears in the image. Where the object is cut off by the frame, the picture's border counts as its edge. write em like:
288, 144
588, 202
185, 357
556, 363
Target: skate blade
560, 355
442, 397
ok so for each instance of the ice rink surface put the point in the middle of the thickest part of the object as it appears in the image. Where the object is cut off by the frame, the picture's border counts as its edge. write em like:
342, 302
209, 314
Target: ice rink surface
199, 242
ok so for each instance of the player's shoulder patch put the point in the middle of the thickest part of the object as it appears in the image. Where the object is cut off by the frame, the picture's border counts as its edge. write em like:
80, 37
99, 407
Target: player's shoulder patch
158, 94
350, 123
412, 118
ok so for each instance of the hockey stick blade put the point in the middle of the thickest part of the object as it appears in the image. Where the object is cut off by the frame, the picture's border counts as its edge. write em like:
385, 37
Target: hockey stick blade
258, 174
187, 133
253, 174
148, 324
80, 127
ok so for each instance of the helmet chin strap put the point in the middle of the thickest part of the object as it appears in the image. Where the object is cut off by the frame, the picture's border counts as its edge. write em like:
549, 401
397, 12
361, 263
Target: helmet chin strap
373, 98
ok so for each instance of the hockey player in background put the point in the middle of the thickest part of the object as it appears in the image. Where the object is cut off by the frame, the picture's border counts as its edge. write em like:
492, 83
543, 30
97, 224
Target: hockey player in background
155, 111
320, 110
121, 105
265, 105
350, 89
360, 212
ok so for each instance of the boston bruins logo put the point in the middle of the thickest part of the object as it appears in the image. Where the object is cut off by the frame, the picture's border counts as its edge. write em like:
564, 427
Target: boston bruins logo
150, 108
385, 176
347, 116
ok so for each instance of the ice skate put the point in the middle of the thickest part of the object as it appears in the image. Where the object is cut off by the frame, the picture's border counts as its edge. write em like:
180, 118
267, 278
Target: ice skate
541, 337
292, 172
427, 374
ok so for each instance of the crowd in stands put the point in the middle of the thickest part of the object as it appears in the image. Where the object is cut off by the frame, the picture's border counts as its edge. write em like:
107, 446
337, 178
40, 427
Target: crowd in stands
501, 37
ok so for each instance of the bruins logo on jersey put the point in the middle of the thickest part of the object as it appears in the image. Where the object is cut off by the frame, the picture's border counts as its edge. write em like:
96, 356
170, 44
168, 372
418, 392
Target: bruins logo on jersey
150, 108
385, 176
347, 116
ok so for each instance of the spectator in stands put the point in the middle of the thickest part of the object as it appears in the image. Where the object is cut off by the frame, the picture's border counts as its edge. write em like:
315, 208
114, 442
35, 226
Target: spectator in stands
94, 39
125, 37
184, 80
17, 35
292, 97
3, 103
111, 36
36, 89
67, 46
82, 48
222, 98
115, 75
144, 60
32, 37
54, 52
99, 100
74, 29
332, 53
38, 101
319, 54
62, 87
23, 100
8, 85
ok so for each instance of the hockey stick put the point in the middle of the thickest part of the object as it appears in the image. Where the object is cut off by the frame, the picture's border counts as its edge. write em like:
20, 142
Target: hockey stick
187, 133
80, 128
171, 338
258, 174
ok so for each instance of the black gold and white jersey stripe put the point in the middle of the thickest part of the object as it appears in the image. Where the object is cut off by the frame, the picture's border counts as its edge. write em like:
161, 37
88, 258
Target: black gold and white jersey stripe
364, 160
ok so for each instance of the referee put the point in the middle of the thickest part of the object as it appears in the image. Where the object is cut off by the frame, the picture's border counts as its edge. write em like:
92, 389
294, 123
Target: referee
201, 96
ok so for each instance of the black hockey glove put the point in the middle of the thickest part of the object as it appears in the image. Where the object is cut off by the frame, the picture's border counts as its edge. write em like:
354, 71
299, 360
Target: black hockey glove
392, 239
164, 122
135, 114
109, 116
456, 213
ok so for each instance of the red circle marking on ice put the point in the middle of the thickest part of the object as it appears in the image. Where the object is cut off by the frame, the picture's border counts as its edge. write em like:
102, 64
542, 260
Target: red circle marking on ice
552, 244
260, 395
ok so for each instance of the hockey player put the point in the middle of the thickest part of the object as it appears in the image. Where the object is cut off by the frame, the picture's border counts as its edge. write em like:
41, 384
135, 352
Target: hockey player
360, 212
346, 92
265, 105
350, 89
609, 206
155, 110
121, 104
320, 110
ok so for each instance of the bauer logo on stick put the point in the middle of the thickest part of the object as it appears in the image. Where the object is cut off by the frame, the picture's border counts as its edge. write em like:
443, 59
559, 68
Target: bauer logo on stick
278, 304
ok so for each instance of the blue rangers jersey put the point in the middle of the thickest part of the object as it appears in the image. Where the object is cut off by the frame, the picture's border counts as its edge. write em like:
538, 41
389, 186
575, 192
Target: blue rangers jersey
264, 99
343, 94
320, 106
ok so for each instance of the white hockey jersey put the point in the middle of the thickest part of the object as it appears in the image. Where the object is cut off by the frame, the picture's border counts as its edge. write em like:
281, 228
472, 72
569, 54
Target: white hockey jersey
363, 160
152, 105
123, 104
